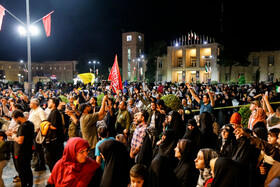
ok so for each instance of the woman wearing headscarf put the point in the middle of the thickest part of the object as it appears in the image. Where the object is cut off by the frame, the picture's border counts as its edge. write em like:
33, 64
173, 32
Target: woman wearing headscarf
161, 173
185, 170
235, 120
175, 122
258, 115
167, 145
117, 164
145, 155
226, 140
193, 133
226, 173
209, 139
75, 168
202, 162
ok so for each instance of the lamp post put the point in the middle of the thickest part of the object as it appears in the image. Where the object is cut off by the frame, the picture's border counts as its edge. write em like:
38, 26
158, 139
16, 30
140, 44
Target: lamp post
19, 75
141, 58
93, 63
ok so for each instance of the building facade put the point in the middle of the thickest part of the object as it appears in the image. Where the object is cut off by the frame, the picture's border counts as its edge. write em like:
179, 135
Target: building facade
55, 70
189, 63
263, 65
133, 59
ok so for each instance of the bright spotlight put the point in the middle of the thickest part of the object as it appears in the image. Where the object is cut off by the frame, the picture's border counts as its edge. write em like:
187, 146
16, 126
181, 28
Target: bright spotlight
33, 30
22, 31
176, 45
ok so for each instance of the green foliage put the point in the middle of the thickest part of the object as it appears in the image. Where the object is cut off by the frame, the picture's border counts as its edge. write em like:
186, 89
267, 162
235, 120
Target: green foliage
245, 113
172, 101
99, 99
64, 99
214, 82
241, 80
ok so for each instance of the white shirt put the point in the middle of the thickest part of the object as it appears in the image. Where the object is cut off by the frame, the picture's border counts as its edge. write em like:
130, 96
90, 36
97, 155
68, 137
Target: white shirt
36, 117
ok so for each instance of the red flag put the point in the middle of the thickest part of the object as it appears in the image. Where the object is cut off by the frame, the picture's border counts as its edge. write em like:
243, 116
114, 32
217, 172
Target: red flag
47, 23
115, 76
2, 13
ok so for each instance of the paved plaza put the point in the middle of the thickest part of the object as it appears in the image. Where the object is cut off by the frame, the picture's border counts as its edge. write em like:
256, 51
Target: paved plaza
39, 178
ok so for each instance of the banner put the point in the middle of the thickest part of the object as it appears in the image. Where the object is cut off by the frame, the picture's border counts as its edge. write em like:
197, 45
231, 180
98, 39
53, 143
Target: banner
115, 76
2, 13
87, 77
47, 24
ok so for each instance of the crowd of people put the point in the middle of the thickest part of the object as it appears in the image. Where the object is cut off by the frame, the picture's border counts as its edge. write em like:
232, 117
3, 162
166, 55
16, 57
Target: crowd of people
132, 138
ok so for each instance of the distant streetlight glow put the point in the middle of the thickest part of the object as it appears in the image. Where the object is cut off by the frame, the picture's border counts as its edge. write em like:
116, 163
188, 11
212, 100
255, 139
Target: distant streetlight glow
21, 61
21, 31
32, 29
176, 45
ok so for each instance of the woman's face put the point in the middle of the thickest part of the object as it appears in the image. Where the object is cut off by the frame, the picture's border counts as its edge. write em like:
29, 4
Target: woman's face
224, 134
199, 161
177, 152
82, 156
169, 118
190, 127
271, 139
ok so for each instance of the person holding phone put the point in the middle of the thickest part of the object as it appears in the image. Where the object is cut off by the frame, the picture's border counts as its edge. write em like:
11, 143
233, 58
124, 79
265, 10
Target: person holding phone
207, 103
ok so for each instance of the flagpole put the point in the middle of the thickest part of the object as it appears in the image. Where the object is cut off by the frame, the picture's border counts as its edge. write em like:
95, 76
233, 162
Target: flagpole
41, 18
28, 50
14, 16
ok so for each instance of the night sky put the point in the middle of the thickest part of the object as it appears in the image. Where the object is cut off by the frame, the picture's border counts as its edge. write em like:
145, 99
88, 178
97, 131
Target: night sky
80, 27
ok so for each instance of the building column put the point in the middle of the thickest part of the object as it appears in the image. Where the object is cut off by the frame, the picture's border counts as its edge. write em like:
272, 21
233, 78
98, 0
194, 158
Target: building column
197, 57
170, 55
184, 65
215, 73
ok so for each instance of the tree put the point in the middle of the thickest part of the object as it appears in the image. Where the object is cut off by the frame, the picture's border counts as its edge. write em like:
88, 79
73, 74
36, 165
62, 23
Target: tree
233, 56
157, 49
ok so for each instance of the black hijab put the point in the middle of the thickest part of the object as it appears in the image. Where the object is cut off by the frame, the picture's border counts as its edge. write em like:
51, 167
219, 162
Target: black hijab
167, 146
161, 173
177, 124
261, 133
185, 171
116, 171
226, 172
209, 139
145, 155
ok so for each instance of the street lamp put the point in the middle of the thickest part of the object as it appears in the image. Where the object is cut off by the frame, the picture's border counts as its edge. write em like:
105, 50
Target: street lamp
19, 75
93, 63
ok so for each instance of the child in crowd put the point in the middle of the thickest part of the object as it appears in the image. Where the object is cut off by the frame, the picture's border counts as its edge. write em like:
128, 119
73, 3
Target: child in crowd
272, 136
4, 154
268, 161
138, 174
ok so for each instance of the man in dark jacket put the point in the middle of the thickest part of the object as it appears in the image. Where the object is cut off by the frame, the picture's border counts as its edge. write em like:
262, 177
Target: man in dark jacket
155, 118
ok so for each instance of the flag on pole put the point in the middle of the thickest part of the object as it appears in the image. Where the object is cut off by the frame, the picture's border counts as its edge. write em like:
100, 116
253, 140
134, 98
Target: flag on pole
115, 76
96, 72
47, 23
87, 77
90, 70
206, 68
2, 13
278, 89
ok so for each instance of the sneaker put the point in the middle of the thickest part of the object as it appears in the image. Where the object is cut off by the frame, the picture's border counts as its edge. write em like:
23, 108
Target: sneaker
17, 179
43, 168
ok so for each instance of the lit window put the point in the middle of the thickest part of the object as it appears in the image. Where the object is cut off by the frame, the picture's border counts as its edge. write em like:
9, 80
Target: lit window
140, 38
128, 38
256, 61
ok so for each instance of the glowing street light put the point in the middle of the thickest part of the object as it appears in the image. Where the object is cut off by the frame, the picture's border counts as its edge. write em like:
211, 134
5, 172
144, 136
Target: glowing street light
34, 31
